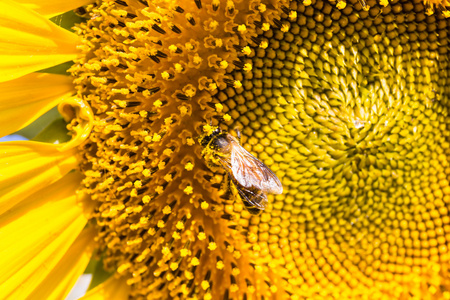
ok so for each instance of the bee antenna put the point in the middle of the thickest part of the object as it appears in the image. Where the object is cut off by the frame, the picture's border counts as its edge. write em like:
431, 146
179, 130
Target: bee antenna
238, 133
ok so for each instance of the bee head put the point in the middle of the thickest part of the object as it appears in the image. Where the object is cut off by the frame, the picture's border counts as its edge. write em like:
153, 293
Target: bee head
221, 143
205, 139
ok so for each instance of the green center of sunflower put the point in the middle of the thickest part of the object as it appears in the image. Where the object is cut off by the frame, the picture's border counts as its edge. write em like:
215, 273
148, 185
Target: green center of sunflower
348, 106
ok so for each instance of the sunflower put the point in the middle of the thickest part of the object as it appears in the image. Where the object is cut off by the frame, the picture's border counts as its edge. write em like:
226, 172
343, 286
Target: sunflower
346, 101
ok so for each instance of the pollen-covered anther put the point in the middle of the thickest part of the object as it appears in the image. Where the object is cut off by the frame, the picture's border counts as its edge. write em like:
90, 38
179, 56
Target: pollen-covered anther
207, 296
247, 67
196, 60
263, 44
96, 81
265, 27
168, 177
205, 285
227, 118
184, 252
158, 103
188, 190
201, 236
167, 210
211, 25
165, 251
151, 231
212, 246
124, 33
146, 199
93, 66
262, 7
234, 288
125, 186
190, 141
173, 49
188, 274
195, 261
241, 28
159, 189
189, 91
208, 129
123, 91
292, 15
160, 224
134, 242
237, 84
147, 173
166, 75
123, 267
173, 266
223, 64
285, 27
168, 151
218, 107
183, 110
212, 87
179, 225
178, 68
156, 137
204, 205
220, 265
176, 235
119, 13
189, 166
161, 165
133, 193
143, 255
247, 50
341, 4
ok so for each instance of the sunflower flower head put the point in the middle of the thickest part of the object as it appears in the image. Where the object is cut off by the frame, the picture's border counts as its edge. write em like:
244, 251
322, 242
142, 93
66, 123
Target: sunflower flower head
346, 101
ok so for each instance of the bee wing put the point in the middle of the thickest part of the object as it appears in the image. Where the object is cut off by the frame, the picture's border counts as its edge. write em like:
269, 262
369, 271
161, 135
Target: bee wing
251, 173
252, 199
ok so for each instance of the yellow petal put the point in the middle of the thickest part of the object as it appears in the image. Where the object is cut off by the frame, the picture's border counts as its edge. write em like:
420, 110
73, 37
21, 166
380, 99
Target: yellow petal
50, 8
62, 278
24, 99
26, 167
29, 42
36, 234
111, 289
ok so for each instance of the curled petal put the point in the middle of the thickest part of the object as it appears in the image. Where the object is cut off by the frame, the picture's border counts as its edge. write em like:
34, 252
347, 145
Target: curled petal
76, 109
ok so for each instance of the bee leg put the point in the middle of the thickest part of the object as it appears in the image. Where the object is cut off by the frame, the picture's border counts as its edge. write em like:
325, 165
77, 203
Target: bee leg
227, 189
226, 193
251, 209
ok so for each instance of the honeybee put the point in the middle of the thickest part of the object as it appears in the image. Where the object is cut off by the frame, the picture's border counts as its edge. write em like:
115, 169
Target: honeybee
252, 178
